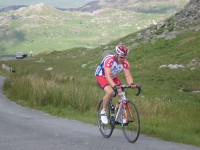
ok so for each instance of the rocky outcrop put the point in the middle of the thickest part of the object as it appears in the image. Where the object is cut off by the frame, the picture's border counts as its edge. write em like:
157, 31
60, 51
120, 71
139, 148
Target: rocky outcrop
189, 15
169, 28
8, 68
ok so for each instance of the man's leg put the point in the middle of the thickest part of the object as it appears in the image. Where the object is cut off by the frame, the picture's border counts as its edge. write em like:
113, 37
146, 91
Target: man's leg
109, 91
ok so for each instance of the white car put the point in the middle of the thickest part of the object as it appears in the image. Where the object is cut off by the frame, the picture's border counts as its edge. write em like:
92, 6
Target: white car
20, 55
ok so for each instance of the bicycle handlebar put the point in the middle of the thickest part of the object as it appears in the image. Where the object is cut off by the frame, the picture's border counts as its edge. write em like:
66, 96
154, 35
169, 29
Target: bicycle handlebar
139, 87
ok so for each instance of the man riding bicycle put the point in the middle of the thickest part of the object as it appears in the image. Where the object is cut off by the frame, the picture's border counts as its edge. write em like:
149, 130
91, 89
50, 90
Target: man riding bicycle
106, 76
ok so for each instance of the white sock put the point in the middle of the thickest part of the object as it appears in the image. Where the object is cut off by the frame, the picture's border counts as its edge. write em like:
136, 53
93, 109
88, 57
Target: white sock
103, 111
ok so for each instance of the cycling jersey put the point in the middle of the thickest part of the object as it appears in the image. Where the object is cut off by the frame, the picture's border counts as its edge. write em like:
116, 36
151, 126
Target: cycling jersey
111, 62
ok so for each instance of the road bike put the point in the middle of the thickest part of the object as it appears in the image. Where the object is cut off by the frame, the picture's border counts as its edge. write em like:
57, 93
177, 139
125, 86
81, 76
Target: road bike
124, 113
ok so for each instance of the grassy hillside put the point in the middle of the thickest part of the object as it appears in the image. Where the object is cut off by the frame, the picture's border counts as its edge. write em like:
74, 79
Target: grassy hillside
152, 6
169, 106
41, 28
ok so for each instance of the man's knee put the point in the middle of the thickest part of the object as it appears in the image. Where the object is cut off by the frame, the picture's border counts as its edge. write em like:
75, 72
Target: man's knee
109, 92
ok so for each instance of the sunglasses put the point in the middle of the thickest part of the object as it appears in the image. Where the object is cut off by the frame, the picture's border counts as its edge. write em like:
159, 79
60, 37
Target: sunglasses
122, 57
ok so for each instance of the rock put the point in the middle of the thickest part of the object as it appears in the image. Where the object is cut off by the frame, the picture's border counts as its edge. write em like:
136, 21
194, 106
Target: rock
172, 66
84, 65
196, 92
163, 66
171, 36
49, 69
175, 66
140, 36
160, 24
194, 63
161, 36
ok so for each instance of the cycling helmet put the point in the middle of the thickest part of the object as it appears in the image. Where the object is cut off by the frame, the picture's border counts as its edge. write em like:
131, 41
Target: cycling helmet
121, 50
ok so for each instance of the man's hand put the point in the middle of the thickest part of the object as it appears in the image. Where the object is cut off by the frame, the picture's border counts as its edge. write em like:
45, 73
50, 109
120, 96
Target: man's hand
117, 88
133, 85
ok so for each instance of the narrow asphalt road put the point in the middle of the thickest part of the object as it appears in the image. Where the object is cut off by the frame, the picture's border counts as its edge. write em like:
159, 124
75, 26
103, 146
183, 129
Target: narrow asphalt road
25, 129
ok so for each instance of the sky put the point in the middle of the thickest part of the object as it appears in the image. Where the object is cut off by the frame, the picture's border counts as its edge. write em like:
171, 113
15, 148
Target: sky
54, 3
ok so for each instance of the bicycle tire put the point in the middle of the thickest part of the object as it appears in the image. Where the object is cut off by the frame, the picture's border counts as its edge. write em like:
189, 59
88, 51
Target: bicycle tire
131, 129
105, 129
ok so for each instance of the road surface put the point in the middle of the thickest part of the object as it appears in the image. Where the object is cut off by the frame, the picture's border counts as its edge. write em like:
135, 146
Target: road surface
25, 129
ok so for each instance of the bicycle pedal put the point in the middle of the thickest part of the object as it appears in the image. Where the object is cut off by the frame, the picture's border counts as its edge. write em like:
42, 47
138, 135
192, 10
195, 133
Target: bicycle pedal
125, 124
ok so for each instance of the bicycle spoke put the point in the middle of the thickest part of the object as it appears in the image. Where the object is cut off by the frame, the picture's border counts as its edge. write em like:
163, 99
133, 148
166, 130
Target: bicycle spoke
131, 129
105, 129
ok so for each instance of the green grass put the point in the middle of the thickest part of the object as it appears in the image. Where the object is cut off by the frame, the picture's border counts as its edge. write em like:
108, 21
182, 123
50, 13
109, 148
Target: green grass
168, 108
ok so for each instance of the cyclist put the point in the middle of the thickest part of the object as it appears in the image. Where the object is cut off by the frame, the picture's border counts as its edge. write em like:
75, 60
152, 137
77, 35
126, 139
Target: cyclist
106, 76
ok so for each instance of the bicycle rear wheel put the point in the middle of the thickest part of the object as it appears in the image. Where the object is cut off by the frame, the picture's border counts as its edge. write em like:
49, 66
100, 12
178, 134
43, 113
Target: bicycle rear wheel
105, 129
131, 129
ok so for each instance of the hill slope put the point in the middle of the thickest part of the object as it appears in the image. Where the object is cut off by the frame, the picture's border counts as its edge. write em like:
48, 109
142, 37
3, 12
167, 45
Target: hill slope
41, 28
142, 6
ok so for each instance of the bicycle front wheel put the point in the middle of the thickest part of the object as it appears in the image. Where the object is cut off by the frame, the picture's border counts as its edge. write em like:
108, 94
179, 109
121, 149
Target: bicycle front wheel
105, 129
131, 128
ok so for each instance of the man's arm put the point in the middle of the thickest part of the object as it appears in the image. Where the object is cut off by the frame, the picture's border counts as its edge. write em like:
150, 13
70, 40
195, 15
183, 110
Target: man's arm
128, 76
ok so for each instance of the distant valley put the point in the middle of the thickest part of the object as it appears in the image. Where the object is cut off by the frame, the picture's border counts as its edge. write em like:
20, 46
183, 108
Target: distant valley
41, 28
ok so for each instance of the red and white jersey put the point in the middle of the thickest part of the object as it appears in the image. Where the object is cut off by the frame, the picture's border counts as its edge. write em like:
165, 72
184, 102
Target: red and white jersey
110, 61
